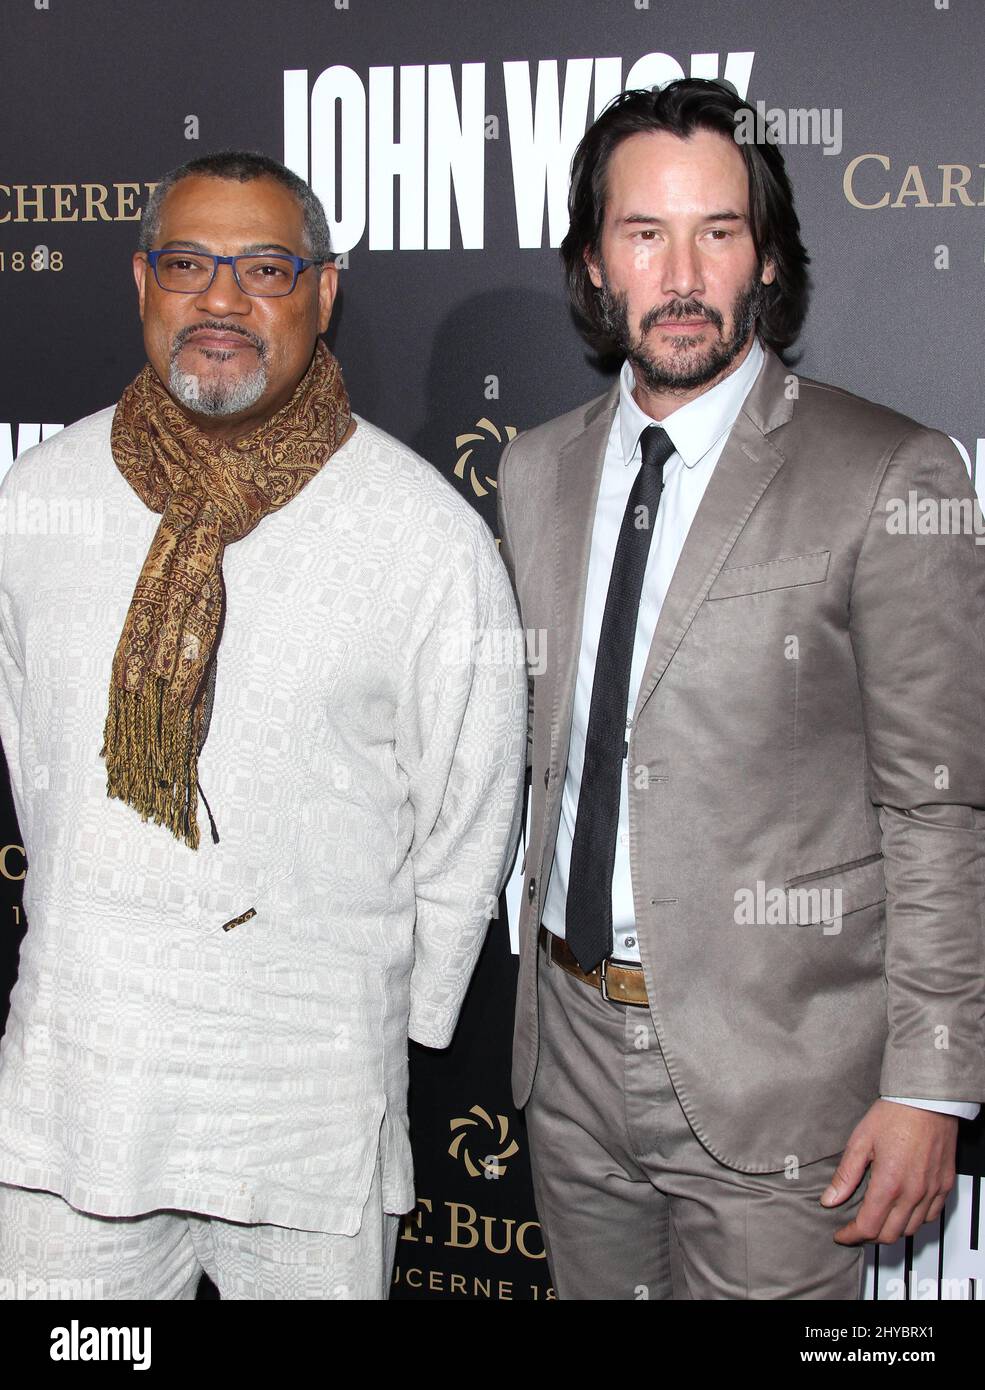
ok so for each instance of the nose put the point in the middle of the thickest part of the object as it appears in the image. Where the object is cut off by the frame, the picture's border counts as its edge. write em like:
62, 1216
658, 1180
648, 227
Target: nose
682, 275
223, 296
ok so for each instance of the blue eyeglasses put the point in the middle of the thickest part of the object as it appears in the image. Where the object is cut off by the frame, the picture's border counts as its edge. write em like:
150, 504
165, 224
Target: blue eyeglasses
266, 276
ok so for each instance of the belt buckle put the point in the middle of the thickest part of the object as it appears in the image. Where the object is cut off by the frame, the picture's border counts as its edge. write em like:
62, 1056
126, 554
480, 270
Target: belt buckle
602, 981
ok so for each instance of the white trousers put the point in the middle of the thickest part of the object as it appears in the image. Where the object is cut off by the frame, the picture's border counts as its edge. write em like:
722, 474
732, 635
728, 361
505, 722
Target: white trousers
50, 1250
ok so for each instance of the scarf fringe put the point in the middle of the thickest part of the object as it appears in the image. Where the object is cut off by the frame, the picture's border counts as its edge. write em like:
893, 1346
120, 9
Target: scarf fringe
150, 759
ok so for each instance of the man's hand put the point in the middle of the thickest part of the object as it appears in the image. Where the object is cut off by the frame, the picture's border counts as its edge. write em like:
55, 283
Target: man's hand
912, 1157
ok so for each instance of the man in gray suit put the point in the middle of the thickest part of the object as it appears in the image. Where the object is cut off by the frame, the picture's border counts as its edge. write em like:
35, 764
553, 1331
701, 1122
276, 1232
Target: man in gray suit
750, 1004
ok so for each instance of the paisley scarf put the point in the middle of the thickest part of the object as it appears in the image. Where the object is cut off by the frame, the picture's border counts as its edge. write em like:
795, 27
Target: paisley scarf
209, 493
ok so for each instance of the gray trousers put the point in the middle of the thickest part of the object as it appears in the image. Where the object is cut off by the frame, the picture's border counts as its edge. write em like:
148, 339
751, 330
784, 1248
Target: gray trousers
632, 1205
50, 1250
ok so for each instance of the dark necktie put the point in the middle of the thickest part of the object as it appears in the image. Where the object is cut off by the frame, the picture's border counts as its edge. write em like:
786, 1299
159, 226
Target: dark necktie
588, 911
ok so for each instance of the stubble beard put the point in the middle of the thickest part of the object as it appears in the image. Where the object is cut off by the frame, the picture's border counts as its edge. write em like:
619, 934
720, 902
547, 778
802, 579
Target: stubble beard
691, 365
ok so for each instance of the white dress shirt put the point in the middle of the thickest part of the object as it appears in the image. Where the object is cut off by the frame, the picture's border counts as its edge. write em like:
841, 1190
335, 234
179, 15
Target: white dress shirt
698, 431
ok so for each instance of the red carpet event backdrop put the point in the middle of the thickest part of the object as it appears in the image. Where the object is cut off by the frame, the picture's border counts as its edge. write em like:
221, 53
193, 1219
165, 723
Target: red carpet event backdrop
439, 136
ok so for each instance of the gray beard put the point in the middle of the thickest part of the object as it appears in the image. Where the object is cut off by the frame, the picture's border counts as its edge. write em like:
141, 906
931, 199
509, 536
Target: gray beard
687, 372
216, 397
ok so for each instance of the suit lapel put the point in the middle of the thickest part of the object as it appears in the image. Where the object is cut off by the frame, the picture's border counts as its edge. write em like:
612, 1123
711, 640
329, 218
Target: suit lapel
577, 481
747, 464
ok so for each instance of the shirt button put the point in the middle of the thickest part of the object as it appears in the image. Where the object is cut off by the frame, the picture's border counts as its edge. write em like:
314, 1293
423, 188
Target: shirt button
531, 889
547, 776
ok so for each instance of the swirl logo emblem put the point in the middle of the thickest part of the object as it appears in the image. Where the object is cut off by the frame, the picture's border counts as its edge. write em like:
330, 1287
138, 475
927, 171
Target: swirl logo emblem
480, 1129
467, 444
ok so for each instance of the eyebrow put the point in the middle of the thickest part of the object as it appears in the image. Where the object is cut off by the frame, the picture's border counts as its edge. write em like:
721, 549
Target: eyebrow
650, 218
256, 248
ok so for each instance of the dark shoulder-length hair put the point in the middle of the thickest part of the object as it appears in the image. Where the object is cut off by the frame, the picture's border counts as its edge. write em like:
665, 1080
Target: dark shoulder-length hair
680, 108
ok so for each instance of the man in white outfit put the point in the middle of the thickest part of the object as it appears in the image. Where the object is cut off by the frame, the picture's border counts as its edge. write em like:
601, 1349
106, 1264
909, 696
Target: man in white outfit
287, 621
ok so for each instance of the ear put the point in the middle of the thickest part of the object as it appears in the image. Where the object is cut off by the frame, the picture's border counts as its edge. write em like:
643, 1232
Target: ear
591, 265
328, 284
140, 272
769, 273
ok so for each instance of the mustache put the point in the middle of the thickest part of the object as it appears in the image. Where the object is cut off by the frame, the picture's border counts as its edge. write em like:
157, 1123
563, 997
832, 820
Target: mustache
216, 326
680, 309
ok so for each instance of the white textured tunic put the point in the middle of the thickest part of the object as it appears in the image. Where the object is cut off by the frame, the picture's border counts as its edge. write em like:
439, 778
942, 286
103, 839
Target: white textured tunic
364, 766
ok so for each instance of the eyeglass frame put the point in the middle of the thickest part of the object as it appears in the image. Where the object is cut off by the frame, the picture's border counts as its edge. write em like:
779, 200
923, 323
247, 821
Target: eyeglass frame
299, 263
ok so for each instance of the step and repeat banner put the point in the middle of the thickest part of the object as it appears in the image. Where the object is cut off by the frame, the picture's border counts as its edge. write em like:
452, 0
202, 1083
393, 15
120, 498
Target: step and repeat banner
439, 136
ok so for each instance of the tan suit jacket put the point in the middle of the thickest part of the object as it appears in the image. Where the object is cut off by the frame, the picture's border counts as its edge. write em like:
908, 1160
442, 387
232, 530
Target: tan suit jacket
811, 717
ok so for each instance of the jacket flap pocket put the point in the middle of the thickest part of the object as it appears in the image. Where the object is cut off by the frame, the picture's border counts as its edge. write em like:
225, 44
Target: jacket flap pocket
833, 893
783, 573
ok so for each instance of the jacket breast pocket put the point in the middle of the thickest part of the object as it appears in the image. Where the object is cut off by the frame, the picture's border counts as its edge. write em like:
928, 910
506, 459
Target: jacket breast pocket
786, 572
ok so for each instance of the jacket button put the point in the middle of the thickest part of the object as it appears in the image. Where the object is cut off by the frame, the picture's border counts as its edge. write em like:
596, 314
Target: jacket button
547, 776
531, 889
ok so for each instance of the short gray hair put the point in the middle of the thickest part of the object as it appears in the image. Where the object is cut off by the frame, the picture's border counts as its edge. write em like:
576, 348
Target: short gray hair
242, 166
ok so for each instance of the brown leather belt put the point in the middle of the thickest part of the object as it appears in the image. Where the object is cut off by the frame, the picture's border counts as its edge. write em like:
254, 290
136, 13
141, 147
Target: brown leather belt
619, 983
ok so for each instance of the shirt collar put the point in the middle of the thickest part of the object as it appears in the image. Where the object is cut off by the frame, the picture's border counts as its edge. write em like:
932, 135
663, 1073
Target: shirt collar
695, 427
